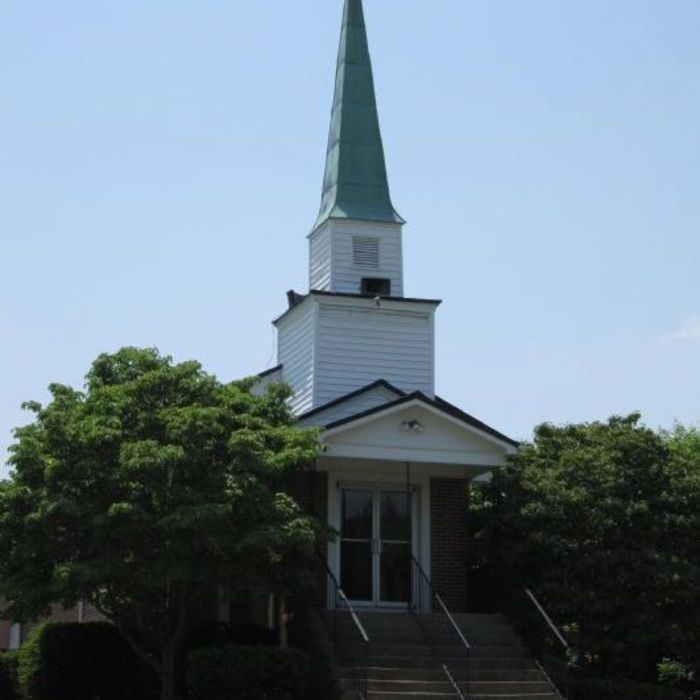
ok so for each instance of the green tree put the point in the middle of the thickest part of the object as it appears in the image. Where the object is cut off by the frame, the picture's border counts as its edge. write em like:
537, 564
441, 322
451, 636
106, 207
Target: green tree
601, 519
684, 516
148, 490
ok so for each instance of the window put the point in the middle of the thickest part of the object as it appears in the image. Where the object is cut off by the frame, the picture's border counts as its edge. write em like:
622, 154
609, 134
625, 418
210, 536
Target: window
15, 636
365, 251
376, 286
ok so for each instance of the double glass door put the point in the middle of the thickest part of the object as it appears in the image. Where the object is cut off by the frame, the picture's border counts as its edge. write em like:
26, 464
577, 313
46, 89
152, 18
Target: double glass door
375, 546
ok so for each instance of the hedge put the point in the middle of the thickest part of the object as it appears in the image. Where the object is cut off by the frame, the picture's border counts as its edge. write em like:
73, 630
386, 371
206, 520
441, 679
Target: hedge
247, 673
71, 661
308, 633
590, 689
8, 675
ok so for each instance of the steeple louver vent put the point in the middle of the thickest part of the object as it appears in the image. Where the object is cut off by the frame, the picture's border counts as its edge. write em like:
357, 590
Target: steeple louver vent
365, 251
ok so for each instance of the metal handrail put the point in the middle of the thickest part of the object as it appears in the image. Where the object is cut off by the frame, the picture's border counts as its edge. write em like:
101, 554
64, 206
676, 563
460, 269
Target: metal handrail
428, 626
454, 683
441, 603
544, 639
357, 663
353, 615
547, 618
451, 619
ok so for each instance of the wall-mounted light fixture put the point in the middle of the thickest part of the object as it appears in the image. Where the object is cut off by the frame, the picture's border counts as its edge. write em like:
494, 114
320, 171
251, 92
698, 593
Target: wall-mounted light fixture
412, 426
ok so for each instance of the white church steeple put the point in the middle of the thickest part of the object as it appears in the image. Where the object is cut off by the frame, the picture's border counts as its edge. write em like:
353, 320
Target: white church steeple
355, 327
355, 246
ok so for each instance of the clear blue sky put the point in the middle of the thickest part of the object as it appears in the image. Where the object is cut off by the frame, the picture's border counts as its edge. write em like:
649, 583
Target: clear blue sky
161, 164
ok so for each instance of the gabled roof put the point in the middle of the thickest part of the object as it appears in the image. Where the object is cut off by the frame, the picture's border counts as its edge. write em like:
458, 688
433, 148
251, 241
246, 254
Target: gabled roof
270, 371
402, 399
380, 383
355, 185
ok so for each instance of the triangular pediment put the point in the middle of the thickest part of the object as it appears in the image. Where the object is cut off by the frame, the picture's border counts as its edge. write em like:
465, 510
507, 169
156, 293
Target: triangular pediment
417, 429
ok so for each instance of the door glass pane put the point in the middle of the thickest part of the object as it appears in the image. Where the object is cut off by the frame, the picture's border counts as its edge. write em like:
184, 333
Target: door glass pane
357, 515
396, 516
356, 570
395, 573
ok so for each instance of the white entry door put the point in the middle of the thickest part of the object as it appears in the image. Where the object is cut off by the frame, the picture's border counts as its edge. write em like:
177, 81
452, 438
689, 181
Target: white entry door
376, 546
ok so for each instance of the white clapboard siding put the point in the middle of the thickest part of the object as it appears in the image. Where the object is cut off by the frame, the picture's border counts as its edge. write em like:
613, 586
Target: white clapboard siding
320, 258
295, 340
262, 383
342, 252
355, 346
347, 275
378, 396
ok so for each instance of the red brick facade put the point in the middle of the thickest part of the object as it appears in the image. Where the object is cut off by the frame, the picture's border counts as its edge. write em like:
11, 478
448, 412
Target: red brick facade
4, 635
84, 613
449, 501
310, 489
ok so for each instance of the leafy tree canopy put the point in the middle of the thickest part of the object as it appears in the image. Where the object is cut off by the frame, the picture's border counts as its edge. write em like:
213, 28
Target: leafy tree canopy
147, 490
602, 520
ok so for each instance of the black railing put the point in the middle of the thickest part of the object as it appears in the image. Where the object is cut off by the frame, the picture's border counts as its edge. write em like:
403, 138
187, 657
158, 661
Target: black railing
448, 645
350, 640
542, 637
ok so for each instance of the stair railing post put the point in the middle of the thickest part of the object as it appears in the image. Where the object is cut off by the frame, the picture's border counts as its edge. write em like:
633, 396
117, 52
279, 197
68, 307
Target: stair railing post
365, 667
350, 640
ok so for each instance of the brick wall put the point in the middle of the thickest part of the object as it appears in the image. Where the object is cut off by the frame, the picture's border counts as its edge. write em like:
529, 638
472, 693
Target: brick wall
4, 635
57, 614
310, 489
91, 614
448, 539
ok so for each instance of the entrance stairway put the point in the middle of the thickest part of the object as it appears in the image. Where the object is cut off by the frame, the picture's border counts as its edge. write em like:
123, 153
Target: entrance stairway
401, 664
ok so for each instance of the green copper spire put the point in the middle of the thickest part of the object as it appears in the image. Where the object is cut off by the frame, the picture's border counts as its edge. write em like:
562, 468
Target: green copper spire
355, 185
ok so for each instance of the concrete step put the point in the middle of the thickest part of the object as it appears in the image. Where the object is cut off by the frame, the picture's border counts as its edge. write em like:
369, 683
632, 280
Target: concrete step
516, 696
403, 686
379, 695
418, 695
451, 652
404, 622
508, 689
402, 665
463, 618
486, 637
485, 630
468, 619
500, 689
532, 674
476, 664
437, 674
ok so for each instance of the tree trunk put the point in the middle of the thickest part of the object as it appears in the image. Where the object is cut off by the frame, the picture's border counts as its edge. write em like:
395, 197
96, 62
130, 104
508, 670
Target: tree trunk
283, 620
168, 675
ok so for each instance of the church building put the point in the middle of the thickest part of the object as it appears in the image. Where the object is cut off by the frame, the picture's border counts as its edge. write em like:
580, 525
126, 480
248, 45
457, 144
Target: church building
359, 353
396, 462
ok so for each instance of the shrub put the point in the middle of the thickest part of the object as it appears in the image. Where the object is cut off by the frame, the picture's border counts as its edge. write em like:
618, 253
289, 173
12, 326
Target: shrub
682, 676
220, 635
590, 689
8, 675
308, 633
70, 661
247, 673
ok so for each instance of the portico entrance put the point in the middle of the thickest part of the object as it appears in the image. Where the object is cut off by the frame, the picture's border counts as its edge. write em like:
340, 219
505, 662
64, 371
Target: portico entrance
376, 545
